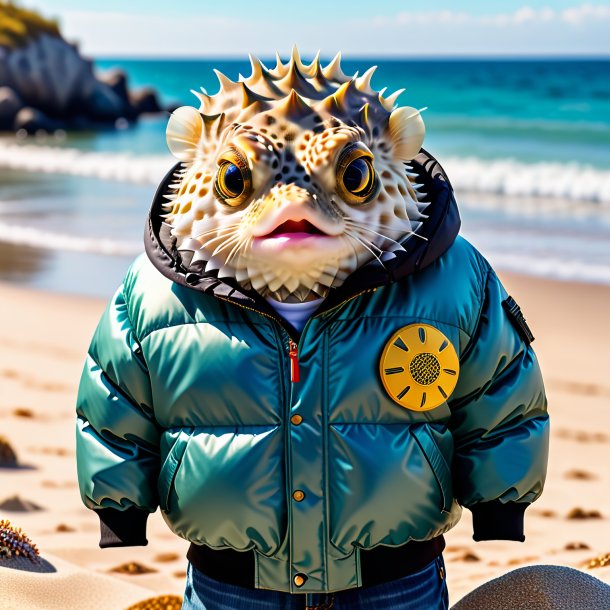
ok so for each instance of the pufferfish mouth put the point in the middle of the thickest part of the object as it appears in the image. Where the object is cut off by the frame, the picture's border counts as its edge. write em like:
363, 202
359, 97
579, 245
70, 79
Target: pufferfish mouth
295, 237
294, 229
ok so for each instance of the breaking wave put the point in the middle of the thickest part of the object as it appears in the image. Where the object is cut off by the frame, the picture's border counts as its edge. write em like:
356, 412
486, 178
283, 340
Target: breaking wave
511, 178
507, 177
120, 167
525, 188
20, 235
557, 268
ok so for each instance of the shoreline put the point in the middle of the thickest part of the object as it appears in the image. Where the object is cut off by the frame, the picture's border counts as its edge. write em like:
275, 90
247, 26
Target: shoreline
63, 265
43, 343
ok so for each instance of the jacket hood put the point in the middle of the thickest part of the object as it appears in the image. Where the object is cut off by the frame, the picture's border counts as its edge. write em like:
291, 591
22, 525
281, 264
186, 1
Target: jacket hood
438, 231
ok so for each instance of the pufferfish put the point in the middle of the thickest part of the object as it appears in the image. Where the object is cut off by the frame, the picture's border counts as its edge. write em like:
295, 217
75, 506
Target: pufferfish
293, 178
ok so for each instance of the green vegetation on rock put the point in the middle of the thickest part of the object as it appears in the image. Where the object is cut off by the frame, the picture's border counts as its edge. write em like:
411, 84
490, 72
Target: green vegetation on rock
18, 25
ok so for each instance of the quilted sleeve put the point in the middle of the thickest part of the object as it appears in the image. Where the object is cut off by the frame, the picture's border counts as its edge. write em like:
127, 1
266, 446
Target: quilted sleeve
499, 420
117, 438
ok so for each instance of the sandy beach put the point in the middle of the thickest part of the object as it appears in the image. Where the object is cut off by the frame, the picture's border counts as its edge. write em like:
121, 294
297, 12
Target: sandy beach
43, 342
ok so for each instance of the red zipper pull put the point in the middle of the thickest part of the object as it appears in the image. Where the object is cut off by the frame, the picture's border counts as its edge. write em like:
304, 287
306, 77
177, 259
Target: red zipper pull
295, 374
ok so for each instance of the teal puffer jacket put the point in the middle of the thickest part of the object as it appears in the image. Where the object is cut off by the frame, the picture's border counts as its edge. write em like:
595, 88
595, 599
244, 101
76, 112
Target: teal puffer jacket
306, 448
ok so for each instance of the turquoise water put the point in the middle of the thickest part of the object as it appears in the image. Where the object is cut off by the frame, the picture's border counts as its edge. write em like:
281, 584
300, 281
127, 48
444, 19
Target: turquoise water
535, 110
526, 144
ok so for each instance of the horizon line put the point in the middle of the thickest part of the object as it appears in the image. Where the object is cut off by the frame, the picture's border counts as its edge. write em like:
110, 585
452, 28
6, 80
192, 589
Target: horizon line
346, 56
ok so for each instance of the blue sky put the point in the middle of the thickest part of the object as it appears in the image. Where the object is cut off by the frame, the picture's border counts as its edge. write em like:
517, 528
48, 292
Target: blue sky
357, 27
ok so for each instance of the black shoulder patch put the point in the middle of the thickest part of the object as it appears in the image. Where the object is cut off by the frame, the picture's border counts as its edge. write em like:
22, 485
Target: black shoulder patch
518, 319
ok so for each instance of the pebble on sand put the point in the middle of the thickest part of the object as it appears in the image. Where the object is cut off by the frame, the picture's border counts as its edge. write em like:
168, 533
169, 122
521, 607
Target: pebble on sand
19, 505
162, 602
543, 587
132, 568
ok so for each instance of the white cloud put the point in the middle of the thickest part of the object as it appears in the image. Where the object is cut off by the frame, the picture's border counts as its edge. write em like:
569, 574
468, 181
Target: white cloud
525, 14
546, 14
582, 29
114, 33
579, 15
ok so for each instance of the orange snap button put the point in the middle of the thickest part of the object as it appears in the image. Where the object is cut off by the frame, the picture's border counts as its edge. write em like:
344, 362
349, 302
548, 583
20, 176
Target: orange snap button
299, 580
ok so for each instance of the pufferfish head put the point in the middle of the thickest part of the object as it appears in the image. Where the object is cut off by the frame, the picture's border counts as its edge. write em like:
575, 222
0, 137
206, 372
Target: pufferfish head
293, 178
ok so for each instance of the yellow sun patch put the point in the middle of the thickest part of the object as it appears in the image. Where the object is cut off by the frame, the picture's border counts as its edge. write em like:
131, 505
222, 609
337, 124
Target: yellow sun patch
419, 367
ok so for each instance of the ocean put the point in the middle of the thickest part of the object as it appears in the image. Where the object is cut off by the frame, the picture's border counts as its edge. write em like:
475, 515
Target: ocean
526, 144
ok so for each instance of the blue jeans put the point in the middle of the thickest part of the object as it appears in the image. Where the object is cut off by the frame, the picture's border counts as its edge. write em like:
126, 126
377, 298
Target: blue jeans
423, 590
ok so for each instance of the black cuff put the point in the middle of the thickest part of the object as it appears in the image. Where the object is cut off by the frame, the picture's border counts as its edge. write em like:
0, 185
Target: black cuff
497, 520
122, 527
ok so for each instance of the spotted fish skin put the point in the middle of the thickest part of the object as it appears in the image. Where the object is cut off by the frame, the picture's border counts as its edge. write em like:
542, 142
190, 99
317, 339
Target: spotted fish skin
290, 125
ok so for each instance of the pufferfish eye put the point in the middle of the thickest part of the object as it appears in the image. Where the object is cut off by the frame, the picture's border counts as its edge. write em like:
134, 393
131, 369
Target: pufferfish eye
356, 179
233, 180
230, 180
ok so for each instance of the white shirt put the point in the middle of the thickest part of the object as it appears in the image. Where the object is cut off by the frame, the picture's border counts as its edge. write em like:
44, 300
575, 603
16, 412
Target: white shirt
295, 313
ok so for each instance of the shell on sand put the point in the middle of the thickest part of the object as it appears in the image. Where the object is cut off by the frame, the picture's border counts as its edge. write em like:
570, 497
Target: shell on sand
541, 587
15, 544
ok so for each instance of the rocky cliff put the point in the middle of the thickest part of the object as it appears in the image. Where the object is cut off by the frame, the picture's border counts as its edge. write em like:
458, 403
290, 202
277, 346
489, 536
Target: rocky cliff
46, 84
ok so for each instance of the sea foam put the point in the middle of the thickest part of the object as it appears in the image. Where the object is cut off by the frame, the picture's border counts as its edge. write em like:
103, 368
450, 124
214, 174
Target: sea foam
21, 235
120, 167
510, 177
524, 189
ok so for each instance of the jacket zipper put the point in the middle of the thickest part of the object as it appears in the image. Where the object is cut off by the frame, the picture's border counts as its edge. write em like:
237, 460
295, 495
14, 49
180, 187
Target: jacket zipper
293, 352
258, 311
293, 348
355, 296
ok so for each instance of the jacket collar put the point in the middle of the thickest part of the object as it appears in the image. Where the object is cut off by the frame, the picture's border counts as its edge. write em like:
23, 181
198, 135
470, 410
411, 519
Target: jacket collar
439, 231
